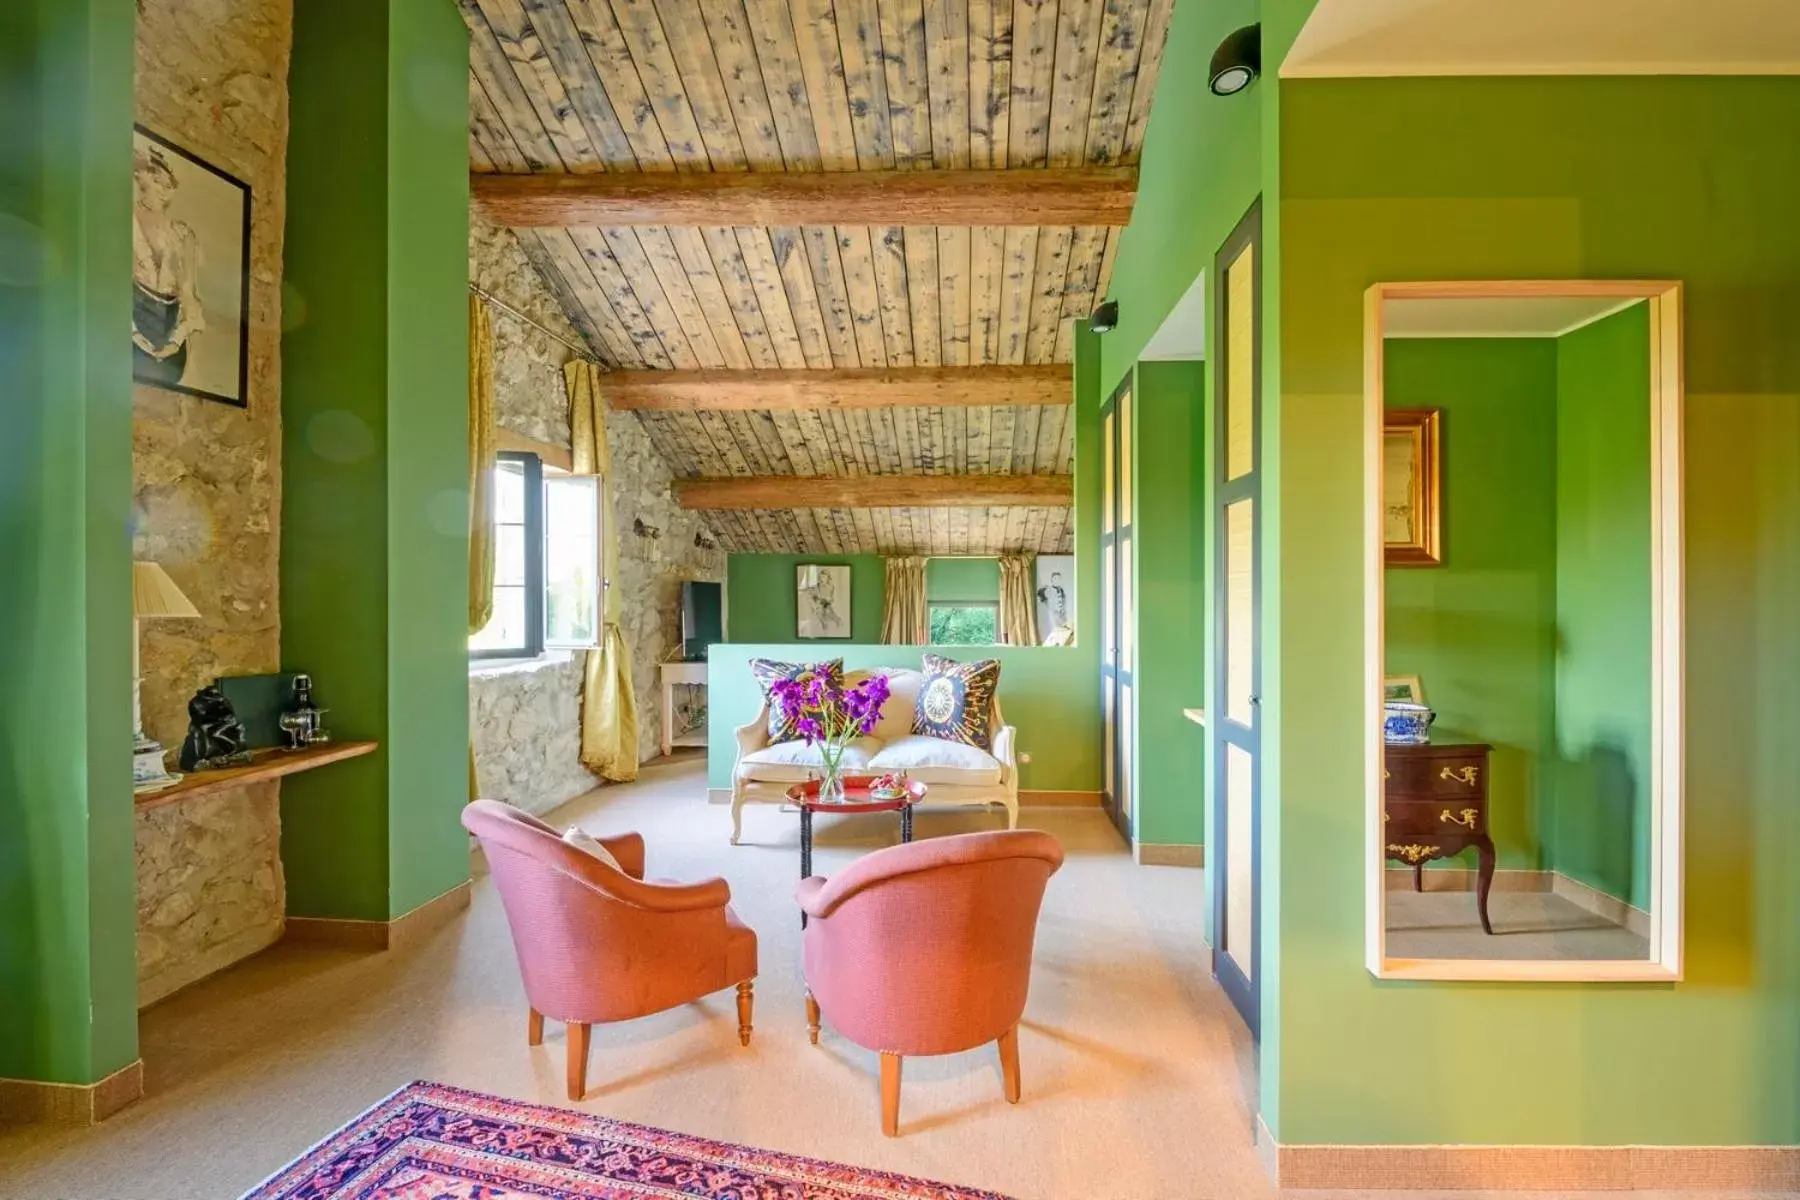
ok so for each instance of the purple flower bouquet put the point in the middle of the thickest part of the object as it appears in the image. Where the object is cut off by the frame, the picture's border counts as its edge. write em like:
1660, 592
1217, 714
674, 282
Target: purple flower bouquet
831, 716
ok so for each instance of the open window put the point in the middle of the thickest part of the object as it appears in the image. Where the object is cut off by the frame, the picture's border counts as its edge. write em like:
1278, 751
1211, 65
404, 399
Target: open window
546, 561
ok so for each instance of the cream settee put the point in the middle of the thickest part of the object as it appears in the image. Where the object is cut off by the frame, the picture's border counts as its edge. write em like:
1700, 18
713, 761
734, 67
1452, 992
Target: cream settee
953, 773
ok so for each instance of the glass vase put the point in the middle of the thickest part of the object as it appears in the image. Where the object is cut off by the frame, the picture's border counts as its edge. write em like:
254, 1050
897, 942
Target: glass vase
831, 783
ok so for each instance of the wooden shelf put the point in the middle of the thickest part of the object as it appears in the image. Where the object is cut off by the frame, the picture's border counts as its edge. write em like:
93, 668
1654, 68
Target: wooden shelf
265, 764
1196, 715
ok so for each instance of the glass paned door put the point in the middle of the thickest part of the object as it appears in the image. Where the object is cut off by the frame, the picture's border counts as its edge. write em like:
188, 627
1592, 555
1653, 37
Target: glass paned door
1117, 692
1236, 724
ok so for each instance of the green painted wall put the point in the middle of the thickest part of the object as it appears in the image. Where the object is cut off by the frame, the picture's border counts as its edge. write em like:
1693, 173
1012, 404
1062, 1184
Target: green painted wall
1547, 178
1171, 635
1600, 829
1051, 694
761, 606
374, 403
1480, 630
67, 909
962, 580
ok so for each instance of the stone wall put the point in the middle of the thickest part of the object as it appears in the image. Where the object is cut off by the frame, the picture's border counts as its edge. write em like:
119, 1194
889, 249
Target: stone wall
212, 78
524, 720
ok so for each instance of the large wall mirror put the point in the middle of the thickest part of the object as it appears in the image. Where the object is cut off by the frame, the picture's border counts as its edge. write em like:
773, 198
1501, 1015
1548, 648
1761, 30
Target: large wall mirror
1524, 630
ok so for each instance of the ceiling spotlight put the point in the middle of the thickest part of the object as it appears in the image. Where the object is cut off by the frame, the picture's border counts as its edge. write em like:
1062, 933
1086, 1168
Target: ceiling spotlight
1237, 61
1105, 318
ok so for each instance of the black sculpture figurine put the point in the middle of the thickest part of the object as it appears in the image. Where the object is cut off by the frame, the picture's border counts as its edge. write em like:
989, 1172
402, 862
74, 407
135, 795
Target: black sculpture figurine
215, 737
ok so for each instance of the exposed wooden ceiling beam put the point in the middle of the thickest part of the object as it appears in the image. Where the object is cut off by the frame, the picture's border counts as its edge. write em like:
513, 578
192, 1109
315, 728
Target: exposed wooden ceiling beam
877, 491
850, 387
1028, 196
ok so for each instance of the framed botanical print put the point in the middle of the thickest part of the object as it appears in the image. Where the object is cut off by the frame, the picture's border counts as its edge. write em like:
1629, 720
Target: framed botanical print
821, 601
190, 273
1411, 493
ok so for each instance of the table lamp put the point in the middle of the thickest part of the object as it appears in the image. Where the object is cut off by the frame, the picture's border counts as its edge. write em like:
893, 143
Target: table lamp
154, 596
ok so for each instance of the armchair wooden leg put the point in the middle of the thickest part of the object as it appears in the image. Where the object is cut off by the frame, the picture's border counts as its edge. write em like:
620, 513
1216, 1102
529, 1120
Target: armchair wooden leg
812, 1019
1009, 1063
890, 1094
746, 1003
534, 1028
578, 1056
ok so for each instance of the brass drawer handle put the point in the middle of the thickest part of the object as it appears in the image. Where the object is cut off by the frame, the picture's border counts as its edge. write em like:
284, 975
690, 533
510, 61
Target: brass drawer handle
1459, 774
1469, 816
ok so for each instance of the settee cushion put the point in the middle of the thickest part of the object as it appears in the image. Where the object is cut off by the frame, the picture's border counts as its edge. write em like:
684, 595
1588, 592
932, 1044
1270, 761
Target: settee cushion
934, 760
956, 700
795, 762
768, 673
903, 696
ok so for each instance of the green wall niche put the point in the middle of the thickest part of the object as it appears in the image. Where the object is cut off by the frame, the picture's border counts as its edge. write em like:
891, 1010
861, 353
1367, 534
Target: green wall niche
1548, 178
68, 954
374, 564
1480, 630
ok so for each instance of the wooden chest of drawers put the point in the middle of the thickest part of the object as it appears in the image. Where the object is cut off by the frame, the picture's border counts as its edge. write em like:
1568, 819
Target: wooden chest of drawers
1435, 805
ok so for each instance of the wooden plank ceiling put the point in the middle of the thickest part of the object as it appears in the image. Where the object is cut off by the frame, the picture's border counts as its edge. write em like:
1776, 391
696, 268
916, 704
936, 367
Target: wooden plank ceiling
588, 86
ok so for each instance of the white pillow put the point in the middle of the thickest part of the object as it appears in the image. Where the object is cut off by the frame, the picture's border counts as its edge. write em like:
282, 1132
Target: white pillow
896, 720
590, 846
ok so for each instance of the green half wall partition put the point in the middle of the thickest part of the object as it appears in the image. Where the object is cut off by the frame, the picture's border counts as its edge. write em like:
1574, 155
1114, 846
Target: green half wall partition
68, 956
374, 563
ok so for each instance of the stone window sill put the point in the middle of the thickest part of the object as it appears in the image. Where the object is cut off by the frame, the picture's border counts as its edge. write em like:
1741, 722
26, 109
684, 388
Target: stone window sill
480, 667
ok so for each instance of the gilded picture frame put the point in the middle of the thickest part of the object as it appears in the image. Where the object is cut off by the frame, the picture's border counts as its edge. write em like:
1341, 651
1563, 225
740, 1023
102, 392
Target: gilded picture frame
1411, 488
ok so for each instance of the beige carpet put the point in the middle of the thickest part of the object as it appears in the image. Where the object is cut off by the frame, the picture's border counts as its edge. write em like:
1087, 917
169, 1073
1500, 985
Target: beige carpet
1137, 1076
1527, 925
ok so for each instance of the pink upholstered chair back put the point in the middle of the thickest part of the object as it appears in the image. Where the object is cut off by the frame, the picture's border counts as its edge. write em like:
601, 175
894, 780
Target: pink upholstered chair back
926, 948
595, 944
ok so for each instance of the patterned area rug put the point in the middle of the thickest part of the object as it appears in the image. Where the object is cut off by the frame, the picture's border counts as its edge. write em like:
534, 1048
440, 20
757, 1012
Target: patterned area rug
432, 1142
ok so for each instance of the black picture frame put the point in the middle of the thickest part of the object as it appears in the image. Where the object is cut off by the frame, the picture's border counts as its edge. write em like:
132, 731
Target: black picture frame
815, 620
143, 370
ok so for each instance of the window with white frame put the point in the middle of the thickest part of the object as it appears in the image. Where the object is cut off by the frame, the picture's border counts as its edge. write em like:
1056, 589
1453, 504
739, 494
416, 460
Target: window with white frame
546, 561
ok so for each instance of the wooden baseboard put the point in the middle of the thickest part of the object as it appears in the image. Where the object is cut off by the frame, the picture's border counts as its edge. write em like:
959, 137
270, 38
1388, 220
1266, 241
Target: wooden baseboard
27, 1101
1058, 799
404, 930
1602, 904
1537, 1168
1171, 854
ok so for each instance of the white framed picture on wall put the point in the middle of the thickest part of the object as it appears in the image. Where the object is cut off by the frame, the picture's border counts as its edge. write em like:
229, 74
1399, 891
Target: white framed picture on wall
1055, 599
821, 601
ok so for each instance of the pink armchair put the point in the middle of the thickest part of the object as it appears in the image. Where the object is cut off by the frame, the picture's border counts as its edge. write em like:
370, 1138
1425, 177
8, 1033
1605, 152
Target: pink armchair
595, 944
926, 949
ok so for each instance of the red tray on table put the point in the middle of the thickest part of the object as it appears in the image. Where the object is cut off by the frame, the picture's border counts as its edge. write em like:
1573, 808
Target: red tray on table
856, 796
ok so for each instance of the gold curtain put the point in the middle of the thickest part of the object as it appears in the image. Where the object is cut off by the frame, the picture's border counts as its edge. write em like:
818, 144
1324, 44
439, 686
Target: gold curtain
1018, 607
609, 723
903, 616
481, 478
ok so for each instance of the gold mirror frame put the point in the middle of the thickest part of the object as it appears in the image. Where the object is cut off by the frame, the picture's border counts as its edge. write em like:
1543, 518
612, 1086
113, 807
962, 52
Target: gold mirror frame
1664, 965
1420, 426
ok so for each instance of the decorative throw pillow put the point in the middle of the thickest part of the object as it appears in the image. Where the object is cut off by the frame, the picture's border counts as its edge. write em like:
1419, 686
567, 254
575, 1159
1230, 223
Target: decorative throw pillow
956, 700
768, 673
591, 846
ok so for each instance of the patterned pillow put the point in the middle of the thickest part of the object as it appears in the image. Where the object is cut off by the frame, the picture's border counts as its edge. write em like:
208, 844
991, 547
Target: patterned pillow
768, 673
956, 700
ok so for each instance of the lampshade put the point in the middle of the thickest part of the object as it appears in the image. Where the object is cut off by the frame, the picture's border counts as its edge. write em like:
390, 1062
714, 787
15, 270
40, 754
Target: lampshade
154, 594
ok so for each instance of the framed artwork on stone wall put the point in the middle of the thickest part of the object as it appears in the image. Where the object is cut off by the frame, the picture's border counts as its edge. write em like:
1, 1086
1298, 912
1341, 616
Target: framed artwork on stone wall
190, 273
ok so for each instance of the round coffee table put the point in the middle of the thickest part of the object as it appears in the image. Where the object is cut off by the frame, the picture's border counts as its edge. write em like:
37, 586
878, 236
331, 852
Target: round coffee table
856, 800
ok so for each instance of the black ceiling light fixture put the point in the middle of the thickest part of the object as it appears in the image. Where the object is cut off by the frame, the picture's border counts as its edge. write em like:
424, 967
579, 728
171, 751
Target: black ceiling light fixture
1237, 61
1105, 318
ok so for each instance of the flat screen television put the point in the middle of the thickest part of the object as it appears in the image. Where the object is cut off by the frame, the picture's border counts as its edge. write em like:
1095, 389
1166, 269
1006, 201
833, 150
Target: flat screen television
702, 618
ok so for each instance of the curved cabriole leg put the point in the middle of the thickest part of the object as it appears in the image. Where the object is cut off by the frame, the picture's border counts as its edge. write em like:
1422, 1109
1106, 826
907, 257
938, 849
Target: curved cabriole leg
1484, 880
737, 813
890, 1094
1012, 812
812, 1019
1009, 1064
746, 1004
578, 1054
534, 1028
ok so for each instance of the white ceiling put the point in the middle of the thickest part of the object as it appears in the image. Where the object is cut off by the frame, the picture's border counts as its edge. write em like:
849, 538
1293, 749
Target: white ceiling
1547, 37
1497, 316
1182, 335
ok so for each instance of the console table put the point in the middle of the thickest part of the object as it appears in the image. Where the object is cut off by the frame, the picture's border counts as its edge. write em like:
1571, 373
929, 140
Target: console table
1435, 805
674, 674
